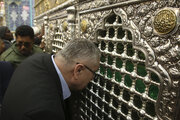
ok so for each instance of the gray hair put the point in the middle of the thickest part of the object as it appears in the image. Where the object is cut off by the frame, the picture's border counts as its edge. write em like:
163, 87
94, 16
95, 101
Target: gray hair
80, 50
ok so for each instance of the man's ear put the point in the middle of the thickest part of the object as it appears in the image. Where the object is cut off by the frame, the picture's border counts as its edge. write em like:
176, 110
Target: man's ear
77, 70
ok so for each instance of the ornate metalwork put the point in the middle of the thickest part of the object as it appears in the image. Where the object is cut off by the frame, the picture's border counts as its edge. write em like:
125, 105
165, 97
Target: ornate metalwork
84, 25
165, 21
71, 20
165, 49
142, 17
94, 21
58, 2
162, 54
102, 3
42, 6
65, 25
140, 43
46, 5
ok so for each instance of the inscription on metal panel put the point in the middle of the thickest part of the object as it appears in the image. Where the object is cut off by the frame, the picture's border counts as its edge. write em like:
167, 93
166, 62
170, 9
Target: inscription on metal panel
165, 21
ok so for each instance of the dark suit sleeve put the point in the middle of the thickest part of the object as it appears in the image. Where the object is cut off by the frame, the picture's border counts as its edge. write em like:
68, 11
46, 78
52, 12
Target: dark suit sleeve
6, 71
34, 92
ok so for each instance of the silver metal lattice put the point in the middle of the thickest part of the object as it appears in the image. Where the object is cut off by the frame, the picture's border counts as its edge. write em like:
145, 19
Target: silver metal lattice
58, 41
125, 88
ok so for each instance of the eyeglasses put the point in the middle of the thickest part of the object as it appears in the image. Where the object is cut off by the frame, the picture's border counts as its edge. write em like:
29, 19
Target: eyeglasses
25, 44
94, 73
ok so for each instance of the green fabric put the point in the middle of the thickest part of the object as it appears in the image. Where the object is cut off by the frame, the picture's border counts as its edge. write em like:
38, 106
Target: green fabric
13, 56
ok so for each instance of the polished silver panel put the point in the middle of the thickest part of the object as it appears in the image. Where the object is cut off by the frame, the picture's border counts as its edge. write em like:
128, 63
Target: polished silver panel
140, 64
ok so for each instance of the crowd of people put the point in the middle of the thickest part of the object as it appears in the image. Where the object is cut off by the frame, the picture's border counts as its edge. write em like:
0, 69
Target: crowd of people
22, 48
35, 85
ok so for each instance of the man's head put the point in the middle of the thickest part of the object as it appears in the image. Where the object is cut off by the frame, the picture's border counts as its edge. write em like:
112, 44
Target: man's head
78, 62
5, 33
24, 39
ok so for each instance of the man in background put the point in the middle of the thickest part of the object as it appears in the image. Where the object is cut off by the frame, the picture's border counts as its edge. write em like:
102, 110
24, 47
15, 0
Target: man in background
2, 46
38, 35
22, 48
6, 36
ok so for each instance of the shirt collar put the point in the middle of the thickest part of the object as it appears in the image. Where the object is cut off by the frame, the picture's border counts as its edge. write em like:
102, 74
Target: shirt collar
65, 88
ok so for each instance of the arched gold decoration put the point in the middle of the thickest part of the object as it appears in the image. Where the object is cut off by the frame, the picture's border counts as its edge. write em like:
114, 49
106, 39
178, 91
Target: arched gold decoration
84, 24
165, 21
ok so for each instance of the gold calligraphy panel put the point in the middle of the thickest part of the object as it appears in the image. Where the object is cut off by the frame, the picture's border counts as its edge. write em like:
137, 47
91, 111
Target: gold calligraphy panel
42, 6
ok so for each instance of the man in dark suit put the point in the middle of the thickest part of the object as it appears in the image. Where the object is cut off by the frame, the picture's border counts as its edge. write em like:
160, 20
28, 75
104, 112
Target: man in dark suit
42, 83
6, 71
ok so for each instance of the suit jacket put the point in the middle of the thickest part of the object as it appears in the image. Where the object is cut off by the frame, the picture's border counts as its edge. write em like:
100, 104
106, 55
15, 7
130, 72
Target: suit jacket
6, 71
34, 92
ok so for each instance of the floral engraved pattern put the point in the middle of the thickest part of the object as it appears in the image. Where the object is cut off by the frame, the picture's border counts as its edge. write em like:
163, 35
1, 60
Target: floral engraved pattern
166, 49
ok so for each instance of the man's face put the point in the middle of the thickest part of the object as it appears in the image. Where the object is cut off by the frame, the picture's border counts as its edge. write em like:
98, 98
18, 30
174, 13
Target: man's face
8, 35
84, 75
24, 45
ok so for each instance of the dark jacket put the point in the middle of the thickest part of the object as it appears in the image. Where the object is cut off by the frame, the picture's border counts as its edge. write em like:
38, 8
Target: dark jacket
34, 92
13, 56
6, 71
